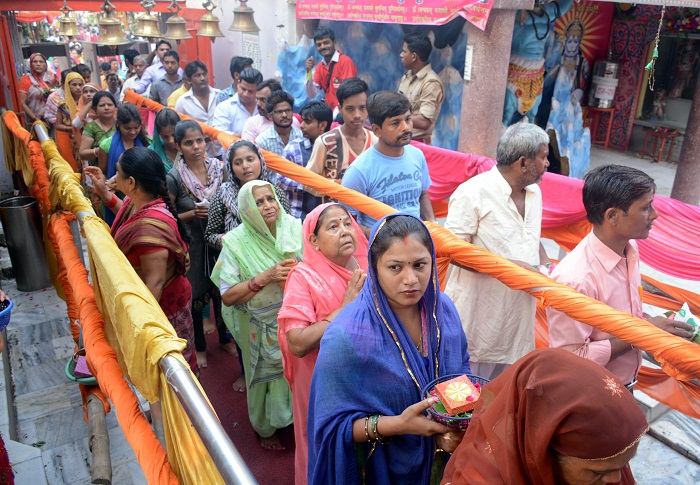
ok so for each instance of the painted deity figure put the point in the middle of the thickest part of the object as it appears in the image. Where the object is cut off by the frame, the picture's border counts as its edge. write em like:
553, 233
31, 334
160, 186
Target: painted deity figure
564, 87
526, 67
572, 59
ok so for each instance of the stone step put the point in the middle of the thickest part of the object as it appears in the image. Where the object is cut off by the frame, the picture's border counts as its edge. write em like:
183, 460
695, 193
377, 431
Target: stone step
679, 432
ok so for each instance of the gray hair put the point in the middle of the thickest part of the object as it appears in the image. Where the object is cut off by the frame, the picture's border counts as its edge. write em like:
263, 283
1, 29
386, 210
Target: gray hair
141, 57
520, 140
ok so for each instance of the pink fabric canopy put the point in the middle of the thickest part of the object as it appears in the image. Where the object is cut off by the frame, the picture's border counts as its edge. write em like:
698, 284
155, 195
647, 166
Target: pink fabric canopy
673, 246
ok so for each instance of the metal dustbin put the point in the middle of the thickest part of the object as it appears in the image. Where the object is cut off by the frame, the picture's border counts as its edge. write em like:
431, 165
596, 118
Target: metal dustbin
21, 223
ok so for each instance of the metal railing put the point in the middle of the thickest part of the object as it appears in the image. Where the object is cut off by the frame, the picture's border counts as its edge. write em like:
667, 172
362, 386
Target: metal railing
228, 461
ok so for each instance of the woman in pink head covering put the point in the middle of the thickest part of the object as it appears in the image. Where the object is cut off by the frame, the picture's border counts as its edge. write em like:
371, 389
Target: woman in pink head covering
331, 275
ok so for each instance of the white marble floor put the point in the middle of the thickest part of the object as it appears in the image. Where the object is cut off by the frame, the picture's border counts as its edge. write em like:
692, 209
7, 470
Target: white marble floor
48, 405
657, 464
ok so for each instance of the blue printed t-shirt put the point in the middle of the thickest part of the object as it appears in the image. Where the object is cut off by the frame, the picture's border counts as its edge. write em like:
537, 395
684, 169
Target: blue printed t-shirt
396, 181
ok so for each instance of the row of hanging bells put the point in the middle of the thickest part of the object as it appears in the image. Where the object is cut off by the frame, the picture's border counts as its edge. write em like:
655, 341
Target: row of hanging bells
111, 32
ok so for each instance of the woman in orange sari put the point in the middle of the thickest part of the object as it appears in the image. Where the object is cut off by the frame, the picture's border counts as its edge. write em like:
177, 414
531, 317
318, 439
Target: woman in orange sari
60, 111
150, 234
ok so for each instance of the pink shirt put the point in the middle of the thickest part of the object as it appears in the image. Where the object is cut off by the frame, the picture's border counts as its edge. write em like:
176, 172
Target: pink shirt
595, 270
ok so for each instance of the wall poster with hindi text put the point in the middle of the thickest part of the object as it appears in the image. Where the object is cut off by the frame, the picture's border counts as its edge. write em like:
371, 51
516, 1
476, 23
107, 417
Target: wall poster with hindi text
415, 12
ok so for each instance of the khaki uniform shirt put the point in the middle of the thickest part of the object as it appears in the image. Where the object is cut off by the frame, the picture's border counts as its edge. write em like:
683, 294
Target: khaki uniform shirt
426, 93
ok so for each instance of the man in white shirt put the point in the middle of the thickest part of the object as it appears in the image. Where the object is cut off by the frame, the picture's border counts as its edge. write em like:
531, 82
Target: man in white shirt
231, 114
238, 63
500, 210
157, 70
200, 101
139, 66
260, 122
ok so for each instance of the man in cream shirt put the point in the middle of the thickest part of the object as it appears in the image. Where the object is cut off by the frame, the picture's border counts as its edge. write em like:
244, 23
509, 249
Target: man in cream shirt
501, 211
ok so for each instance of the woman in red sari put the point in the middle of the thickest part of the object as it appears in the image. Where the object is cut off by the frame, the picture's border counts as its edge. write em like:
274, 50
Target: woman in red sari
149, 233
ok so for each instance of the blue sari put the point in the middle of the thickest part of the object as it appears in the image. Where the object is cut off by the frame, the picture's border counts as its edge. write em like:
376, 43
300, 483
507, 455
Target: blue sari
368, 365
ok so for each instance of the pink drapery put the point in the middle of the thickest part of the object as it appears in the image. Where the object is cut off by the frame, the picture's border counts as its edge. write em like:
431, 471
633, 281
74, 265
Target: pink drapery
673, 246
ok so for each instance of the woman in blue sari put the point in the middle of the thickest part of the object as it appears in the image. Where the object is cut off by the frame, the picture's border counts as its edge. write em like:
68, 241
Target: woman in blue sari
397, 336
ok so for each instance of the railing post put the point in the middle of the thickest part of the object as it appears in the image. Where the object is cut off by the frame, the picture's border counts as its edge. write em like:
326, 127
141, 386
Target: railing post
227, 459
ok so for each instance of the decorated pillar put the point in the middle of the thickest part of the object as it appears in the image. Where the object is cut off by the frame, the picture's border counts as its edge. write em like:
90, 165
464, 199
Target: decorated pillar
482, 98
686, 185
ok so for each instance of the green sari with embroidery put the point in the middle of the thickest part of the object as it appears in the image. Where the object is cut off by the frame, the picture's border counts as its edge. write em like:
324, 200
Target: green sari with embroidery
248, 250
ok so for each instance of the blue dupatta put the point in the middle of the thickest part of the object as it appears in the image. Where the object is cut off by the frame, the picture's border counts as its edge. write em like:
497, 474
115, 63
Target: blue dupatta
368, 365
116, 148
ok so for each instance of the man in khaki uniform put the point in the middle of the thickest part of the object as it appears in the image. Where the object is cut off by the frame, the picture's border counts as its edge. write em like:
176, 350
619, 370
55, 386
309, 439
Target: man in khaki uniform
421, 85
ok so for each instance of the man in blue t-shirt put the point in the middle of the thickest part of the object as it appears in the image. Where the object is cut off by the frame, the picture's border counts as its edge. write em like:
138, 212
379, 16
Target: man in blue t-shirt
392, 171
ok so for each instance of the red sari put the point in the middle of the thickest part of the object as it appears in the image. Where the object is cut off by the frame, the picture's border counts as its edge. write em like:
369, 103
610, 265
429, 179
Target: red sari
150, 229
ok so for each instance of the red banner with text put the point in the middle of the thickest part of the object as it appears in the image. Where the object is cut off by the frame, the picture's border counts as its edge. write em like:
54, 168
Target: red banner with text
417, 12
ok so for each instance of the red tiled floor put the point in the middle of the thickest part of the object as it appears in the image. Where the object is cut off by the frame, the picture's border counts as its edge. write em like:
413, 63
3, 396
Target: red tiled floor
268, 467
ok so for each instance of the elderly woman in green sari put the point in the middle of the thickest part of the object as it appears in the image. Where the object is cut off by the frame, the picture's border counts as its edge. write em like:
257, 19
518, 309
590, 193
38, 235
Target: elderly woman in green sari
251, 271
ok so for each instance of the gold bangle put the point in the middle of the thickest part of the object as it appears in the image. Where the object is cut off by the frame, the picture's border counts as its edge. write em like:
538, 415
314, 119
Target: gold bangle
367, 428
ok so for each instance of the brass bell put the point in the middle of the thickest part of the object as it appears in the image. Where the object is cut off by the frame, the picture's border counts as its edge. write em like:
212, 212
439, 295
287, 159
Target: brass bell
209, 23
147, 26
243, 19
67, 26
147, 23
209, 26
176, 28
111, 32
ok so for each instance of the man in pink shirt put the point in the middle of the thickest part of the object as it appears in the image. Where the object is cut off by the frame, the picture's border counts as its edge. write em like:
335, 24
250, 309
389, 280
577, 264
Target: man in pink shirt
605, 266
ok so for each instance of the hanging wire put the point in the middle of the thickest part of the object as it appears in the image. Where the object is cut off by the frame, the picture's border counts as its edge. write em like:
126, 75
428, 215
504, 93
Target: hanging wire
651, 66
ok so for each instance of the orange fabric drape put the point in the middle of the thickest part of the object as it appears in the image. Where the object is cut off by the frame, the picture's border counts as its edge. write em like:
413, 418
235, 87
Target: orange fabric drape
64, 142
682, 396
568, 235
679, 358
102, 360
40, 185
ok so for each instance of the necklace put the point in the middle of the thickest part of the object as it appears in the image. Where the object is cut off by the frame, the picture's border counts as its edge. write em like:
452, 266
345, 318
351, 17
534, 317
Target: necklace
534, 26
